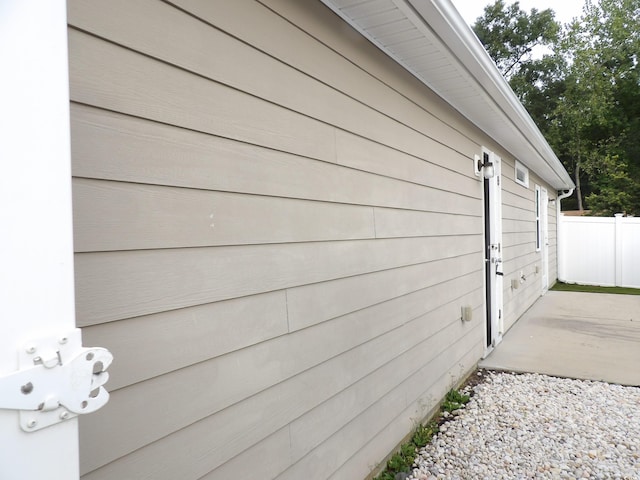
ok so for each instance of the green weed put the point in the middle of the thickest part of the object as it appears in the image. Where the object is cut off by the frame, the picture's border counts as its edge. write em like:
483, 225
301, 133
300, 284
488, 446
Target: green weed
454, 400
402, 461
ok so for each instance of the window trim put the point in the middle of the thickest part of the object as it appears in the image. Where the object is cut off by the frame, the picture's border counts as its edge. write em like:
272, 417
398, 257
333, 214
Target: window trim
523, 169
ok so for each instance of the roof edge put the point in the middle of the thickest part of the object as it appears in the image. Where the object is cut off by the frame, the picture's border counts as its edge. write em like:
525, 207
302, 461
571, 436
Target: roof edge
507, 100
457, 40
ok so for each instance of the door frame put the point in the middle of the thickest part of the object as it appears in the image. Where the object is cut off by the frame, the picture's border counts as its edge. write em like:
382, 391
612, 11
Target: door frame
37, 276
493, 250
544, 202
542, 234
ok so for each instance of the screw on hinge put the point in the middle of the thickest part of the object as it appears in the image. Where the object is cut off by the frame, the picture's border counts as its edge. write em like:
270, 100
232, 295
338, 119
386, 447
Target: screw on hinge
64, 415
31, 423
27, 388
31, 349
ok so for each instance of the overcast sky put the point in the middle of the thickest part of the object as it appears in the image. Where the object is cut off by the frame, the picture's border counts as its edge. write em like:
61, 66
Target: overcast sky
565, 9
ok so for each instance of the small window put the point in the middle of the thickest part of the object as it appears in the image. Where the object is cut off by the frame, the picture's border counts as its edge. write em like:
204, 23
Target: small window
538, 229
522, 174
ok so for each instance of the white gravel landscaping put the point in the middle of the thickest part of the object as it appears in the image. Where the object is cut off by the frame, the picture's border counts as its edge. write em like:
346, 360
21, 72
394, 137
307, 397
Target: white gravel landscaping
533, 426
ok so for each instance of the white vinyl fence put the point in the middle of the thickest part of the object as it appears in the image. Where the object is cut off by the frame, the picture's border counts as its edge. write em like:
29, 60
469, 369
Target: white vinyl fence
599, 251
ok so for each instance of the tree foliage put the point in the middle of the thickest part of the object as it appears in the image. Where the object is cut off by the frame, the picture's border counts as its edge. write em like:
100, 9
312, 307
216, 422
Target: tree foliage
510, 35
583, 93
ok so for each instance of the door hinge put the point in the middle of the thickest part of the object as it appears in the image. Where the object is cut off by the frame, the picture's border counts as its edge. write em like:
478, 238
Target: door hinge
58, 379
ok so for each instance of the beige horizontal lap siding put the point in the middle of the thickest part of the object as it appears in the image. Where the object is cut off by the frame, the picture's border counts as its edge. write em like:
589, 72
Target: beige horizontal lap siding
394, 92
258, 318
116, 285
126, 216
275, 229
519, 243
337, 107
183, 157
276, 392
405, 421
345, 454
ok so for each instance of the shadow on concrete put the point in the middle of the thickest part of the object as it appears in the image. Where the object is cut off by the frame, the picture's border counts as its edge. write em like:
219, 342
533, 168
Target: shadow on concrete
589, 336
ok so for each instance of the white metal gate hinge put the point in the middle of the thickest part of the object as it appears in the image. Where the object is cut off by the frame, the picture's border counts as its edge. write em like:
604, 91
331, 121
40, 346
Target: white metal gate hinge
58, 379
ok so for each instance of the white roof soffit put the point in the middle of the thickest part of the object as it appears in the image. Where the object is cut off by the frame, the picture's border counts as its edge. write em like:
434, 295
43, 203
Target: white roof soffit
430, 39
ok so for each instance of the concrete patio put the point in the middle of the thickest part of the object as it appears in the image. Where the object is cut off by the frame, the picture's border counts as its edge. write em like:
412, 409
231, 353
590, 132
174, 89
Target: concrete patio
577, 335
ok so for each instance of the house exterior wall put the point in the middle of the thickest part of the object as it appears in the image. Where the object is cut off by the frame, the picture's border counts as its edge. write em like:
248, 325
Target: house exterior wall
276, 228
519, 242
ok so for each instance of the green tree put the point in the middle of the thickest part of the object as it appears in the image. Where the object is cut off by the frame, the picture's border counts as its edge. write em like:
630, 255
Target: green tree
514, 39
582, 114
540, 86
616, 188
595, 129
583, 93
510, 35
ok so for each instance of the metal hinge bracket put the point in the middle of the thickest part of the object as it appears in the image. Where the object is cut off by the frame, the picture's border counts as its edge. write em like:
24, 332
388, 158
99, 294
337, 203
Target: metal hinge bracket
58, 379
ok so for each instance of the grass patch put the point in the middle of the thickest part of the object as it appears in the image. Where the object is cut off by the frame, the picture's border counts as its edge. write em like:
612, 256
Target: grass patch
402, 460
574, 287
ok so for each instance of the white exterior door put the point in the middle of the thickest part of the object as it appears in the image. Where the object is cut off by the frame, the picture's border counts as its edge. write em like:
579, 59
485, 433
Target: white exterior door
493, 251
544, 234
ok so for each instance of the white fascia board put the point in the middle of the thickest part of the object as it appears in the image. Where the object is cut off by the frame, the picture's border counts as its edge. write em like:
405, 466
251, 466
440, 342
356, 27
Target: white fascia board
464, 44
439, 18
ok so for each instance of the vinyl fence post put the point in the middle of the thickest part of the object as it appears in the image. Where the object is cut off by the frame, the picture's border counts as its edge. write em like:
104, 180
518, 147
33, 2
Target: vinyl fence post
618, 247
563, 242
36, 243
